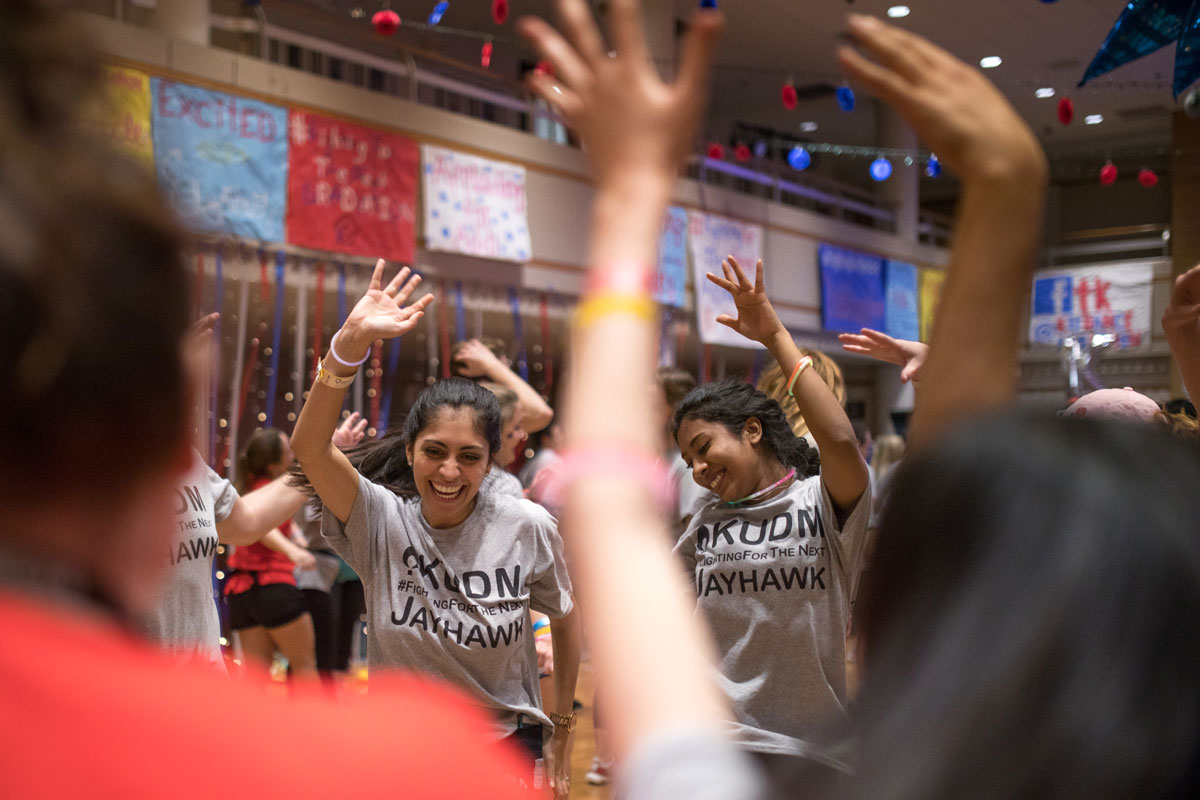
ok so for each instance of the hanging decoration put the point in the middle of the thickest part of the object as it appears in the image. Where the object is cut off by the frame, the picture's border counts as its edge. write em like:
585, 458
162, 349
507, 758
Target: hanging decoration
845, 98
444, 328
393, 365
236, 403
264, 280
438, 12
514, 301
1148, 178
933, 167
547, 350
788, 95
251, 367
1066, 111
377, 421
881, 169
1108, 174
1191, 103
485, 55
499, 11
386, 22
1146, 26
276, 334
716, 151
318, 319
460, 314
741, 152
341, 299
218, 295
799, 159
761, 147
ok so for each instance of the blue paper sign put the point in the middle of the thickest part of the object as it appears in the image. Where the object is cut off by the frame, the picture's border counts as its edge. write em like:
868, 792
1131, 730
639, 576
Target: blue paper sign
222, 159
670, 287
852, 295
903, 319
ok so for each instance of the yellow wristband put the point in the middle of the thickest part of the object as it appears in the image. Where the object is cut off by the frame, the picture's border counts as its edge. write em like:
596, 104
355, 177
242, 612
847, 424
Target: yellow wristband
610, 304
333, 381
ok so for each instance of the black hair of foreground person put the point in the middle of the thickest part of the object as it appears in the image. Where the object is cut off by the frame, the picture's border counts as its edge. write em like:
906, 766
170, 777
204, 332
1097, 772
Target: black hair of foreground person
1031, 621
731, 403
384, 460
93, 297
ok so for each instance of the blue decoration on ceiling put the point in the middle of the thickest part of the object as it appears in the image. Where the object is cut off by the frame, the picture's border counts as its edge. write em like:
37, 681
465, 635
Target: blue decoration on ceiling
881, 169
708, 3
799, 159
933, 168
1146, 26
438, 12
845, 98
760, 148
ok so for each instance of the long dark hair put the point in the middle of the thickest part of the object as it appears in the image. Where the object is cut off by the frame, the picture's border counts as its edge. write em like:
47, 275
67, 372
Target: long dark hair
1031, 620
385, 462
731, 403
264, 449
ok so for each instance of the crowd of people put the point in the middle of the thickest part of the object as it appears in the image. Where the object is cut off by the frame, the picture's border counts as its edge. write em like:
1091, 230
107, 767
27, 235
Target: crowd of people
1029, 625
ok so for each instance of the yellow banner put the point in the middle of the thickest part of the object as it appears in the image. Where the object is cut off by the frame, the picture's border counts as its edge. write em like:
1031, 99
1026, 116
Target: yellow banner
931, 292
122, 113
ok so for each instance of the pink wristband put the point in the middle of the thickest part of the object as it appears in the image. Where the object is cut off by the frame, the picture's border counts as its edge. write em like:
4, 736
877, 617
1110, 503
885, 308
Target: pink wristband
622, 277
588, 462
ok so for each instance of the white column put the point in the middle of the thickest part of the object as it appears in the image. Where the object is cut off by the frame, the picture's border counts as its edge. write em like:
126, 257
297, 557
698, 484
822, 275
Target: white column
903, 190
182, 19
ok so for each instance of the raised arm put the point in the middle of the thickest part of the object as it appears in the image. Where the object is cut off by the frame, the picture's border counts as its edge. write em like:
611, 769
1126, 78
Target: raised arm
901, 352
843, 470
255, 514
379, 314
480, 362
960, 115
636, 131
1181, 323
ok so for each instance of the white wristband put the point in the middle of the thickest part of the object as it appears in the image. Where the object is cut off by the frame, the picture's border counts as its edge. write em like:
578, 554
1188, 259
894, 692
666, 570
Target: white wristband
342, 361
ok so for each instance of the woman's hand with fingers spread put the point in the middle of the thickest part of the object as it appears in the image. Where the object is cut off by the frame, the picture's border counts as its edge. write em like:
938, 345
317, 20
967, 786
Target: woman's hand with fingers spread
350, 432
381, 313
756, 319
633, 124
907, 354
954, 109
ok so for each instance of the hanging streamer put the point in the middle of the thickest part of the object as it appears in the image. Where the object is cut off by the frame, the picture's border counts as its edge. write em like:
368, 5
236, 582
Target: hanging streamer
376, 387
460, 316
479, 311
218, 292
444, 329
547, 352
276, 334
341, 317
393, 365
318, 318
522, 359
243, 391
235, 404
264, 280
299, 373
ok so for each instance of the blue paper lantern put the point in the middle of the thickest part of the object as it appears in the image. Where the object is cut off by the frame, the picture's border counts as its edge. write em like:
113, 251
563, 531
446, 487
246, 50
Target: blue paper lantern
799, 159
934, 167
881, 169
845, 98
760, 148
439, 10
708, 3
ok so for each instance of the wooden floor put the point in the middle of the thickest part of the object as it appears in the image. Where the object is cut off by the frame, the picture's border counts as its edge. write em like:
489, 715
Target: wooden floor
585, 741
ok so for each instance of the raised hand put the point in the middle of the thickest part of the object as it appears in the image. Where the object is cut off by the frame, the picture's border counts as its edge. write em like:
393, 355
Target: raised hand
473, 359
878, 345
350, 432
1182, 314
954, 109
756, 317
381, 313
632, 123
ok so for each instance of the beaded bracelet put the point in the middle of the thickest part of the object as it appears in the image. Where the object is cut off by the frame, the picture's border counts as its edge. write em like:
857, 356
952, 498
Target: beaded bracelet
613, 461
801, 365
342, 361
610, 303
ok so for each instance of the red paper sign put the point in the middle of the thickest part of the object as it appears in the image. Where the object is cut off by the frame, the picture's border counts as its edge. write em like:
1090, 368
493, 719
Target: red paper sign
351, 189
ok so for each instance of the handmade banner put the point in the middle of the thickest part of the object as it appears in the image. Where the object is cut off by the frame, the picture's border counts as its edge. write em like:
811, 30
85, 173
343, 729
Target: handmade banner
932, 281
852, 295
474, 205
670, 283
222, 159
121, 113
1094, 299
710, 240
902, 318
351, 189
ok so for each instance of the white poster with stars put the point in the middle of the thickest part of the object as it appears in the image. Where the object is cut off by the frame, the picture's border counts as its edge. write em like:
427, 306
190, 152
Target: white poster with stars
474, 206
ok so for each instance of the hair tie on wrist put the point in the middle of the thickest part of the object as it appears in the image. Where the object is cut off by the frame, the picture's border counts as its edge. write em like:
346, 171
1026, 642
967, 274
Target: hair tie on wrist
801, 365
342, 361
642, 468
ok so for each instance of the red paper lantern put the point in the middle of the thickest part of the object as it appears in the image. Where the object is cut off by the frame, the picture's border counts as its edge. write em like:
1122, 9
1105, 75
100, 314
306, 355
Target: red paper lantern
1066, 111
1147, 178
789, 97
386, 22
485, 55
742, 151
499, 11
716, 151
1108, 174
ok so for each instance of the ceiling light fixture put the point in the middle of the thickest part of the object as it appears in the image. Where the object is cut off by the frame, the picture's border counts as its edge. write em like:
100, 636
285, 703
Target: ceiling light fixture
1094, 119
896, 12
990, 62
1047, 91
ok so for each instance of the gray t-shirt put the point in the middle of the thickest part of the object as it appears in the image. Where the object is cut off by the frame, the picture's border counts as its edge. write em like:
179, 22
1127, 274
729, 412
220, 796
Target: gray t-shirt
774, 581
504, 482
185, 617
455, 602
696, 765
